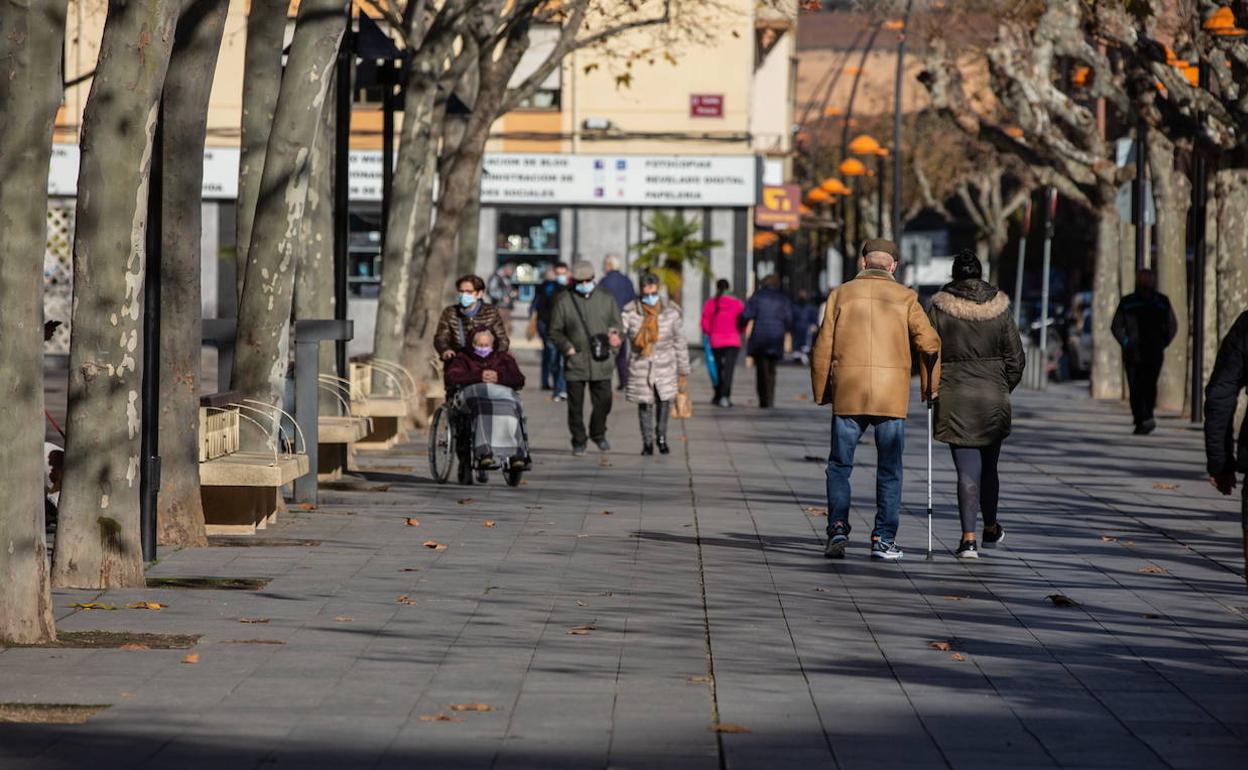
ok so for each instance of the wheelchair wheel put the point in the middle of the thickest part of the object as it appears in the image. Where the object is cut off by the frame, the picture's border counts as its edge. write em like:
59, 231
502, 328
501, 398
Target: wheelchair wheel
513, 476
441, 444
482, 475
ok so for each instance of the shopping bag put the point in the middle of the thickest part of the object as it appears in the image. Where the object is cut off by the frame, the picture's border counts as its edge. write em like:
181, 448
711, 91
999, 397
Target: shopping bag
682, 407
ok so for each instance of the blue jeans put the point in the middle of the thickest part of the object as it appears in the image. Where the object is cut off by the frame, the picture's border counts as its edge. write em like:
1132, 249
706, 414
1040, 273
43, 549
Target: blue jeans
552, 362
890, 443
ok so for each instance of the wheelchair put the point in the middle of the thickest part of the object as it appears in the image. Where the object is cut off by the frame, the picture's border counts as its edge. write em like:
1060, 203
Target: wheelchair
478, 429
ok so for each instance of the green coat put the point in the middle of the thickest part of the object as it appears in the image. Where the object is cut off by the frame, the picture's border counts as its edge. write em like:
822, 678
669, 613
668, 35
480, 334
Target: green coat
981, 360
602, 315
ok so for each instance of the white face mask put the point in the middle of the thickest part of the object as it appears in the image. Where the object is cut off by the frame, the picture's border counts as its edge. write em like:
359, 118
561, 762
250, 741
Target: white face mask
585, 288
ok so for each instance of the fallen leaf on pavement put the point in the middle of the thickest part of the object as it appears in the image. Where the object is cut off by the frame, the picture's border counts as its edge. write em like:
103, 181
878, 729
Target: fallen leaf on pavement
1152, 569
305, 507
822, 590
410, 569
816, 510
464, 500
606, 513
729, 727
1150, 616
488, 524
413, 522
440, 718
943, 646
344, 618
958, 656
470, 707
532, 507
699, 680
134, 646
145, 606
92, 606
524, 482
580, 603
435, 545
191, 658
253, 620
803, 397
1062, 600
582, 630
1108, 539
405, 599
604, 463
1165, 486
953, 598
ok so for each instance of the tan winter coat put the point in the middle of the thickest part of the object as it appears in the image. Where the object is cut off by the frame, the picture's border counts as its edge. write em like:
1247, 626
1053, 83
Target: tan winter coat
669, 357
861, 362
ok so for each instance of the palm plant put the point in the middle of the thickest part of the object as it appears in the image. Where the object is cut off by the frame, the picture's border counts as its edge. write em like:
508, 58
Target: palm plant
674, 243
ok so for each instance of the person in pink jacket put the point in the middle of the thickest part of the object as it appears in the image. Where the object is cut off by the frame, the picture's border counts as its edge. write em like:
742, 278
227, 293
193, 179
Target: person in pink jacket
720, 326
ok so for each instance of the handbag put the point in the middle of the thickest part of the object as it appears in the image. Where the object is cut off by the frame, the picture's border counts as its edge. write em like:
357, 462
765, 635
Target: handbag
682, 406
599, 344
712, 369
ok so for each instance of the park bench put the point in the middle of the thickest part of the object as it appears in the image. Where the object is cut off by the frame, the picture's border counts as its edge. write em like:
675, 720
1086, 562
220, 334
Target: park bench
242, 490
387, 409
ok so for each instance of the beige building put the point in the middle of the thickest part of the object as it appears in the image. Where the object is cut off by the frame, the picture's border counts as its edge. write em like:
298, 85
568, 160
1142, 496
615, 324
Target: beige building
700, 119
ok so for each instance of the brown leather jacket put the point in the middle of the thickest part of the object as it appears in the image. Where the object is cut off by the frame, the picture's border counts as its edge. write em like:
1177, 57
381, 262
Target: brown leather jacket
449, 337
861, 362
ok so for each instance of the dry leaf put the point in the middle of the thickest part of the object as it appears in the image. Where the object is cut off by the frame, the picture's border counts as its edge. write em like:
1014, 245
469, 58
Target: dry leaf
699, 680
1061, 600
1150, 616
439, 717
92, 606
489, 524
434, 544
405, 599
305, 507
470, 707
1108, 539
943, 646
413, 522
606, 513
953, 598
145, 606
134, 646
253, 620
532, 507
582, 630
191, 658
729, 727
816, 510
1152, 569
410, 569
803, 397
1165, 486
464, 500
344, 618
958, 656
822, 590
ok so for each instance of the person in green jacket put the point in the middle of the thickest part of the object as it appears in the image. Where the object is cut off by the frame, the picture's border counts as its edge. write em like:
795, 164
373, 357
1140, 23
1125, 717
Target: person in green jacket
585, 326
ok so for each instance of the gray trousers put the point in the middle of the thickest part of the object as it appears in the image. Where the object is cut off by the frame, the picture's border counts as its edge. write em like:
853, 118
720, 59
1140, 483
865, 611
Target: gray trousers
650, 427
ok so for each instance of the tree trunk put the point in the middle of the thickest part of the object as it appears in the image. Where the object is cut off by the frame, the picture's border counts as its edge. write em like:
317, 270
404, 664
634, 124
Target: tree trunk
410, 334
469, 238
314, 277
262, 80
97, 544
459, 186
1172, 197
261, 344
1232, 277
1106, 357
31, 37
179, 511
408, 225
1212, 332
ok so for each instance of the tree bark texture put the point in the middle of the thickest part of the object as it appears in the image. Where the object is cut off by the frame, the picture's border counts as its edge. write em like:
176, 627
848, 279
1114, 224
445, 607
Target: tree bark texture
31, 36
261, 343
314, 278
1172, 198
1106, 291
262, 79
97, 544
1212, 333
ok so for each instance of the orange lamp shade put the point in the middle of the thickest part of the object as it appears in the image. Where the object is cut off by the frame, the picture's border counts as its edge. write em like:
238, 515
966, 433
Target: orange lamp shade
804, 210
834, 186
1170, 55
1221, 23
831, 112
818, 195
893, 25
1014, 132
1080, 76
786, 248
852, 70
853, 167
864, 144
1192, 73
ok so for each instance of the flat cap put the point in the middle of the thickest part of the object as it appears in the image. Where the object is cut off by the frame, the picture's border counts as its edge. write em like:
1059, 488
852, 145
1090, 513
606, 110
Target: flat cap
880, 244
583, 271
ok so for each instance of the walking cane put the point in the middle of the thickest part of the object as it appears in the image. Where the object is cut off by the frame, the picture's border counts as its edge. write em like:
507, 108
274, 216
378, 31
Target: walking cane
929, 362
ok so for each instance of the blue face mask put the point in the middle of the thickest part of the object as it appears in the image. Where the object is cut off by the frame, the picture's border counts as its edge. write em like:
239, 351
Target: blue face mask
562, 280
467, 300
650, 299
585, 288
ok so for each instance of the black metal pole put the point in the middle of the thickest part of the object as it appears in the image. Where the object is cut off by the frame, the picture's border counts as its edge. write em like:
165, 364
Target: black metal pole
879, 195
1139, 190
895, 231
387, 149
1199, 205
857, 213
149, 433
342, 149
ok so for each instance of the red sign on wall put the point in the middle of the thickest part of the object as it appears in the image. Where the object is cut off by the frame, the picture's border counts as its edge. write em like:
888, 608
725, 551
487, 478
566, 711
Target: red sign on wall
706, 105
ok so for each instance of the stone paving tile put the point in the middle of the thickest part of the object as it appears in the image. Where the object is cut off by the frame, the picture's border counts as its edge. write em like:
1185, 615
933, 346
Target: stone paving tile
708, 599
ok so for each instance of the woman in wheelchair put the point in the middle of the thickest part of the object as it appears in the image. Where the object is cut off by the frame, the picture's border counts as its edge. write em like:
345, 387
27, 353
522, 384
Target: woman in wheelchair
491, 416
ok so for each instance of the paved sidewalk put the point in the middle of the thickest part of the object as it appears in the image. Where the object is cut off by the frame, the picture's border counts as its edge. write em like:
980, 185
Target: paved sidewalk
699, 598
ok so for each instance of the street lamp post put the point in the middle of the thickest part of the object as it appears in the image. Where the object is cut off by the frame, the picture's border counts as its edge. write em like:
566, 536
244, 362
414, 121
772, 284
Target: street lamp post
1049, 226
854, 168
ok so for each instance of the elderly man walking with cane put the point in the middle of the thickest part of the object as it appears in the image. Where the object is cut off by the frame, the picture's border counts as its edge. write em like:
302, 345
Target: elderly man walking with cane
861, 364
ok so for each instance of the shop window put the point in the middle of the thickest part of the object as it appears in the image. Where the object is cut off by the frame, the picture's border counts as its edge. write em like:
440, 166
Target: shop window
528, 240
364, 251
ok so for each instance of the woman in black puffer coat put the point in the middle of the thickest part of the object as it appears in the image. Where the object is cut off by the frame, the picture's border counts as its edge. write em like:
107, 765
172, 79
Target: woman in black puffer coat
981, 363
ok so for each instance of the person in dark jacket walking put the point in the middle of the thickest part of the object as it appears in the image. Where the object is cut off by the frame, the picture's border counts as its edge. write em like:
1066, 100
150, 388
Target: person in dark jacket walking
981, 364
585, 326
543, 305
1144, 326
618, 286
1223, 454
469, 311
483, 363
805, 325
772, 313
